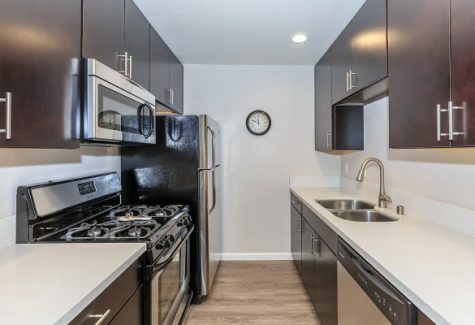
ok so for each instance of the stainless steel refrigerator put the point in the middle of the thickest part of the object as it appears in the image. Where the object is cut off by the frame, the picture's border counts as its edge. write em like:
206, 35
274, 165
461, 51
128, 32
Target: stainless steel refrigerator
183, 167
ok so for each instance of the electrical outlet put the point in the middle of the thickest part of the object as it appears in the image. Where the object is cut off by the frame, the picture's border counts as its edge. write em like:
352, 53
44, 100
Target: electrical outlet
347, 168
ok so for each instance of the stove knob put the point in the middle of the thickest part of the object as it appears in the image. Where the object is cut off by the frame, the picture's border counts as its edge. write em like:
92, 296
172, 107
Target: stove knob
171, 238
165, 243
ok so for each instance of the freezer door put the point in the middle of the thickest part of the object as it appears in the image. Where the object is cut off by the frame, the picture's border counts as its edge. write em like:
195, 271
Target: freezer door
210, 143
210, 231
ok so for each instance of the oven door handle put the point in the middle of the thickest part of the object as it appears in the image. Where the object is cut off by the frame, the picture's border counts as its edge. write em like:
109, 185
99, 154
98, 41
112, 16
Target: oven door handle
159, 266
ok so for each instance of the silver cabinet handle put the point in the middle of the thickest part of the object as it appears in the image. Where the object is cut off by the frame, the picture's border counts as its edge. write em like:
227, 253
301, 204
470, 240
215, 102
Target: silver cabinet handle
351, 74
450, 111
173, 97
439, 132
316, 249
8, 115
347, 81
452, 108
101, 317
125, 59
329, 140
169, 99
299, 225
130, 67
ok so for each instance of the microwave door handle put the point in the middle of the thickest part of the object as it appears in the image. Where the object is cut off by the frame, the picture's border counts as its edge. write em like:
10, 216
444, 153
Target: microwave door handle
151, 116
140, 119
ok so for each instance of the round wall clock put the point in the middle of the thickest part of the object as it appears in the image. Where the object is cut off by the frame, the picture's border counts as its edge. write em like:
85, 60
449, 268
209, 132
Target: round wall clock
258, 122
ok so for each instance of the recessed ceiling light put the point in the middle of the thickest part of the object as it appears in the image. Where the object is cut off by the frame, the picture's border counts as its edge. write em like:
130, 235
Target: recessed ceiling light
299, 38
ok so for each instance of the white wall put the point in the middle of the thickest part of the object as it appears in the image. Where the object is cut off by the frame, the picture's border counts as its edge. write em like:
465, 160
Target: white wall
445, 175
257, 169
27, 166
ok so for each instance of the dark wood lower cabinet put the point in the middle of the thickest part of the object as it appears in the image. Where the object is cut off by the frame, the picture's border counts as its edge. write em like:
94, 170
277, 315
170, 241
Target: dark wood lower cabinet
120, 303
296, 237
316, 262
132, 312
324, 295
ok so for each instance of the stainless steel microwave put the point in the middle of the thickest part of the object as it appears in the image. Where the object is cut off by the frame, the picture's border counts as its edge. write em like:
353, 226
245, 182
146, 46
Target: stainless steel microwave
116, 110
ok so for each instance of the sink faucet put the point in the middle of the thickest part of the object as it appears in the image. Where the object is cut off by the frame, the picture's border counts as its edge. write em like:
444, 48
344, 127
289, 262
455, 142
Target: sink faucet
383, 199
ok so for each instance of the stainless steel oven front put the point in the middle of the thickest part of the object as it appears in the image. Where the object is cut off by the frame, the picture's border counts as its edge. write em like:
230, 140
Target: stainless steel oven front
169, 285
116, 109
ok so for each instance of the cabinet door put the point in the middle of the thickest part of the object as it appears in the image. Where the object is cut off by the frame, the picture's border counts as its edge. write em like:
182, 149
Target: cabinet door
325, 291
103, 31
341, 66
137, 43
308, 257
419, 76
369, 45
40, 51
296, 237
463, 70
176, 83
132, 312
159, 68
323, 104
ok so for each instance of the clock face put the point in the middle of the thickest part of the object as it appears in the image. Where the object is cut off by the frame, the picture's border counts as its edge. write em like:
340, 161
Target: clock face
258, 122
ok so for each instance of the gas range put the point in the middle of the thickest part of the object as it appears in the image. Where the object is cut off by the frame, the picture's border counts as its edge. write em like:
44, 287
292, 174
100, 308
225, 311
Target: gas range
89, 209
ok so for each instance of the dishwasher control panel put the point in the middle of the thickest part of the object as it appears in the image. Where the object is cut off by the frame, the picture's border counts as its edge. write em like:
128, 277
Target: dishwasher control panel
395, 307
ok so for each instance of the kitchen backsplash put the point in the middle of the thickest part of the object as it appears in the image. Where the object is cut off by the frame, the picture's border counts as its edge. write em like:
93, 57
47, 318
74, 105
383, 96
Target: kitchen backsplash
28, 166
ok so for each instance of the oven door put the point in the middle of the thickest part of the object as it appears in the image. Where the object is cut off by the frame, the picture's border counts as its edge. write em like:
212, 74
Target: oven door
170, 287
117, 110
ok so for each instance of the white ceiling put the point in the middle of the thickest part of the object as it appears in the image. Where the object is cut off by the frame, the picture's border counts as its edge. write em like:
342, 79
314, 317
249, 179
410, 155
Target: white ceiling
248, 31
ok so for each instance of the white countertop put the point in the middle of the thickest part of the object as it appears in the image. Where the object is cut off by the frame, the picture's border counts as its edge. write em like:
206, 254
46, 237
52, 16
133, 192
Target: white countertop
431, 265
52, 283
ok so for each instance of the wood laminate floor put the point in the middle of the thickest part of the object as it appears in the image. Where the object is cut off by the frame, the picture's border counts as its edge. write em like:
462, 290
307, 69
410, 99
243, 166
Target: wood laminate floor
260, 293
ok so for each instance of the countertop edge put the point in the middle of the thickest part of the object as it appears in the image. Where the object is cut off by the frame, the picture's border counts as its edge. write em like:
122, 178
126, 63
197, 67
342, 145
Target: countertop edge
83, 303
413, 297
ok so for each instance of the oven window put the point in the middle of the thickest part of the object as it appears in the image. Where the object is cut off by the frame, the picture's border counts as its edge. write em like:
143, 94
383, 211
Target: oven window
169, 288
117, 112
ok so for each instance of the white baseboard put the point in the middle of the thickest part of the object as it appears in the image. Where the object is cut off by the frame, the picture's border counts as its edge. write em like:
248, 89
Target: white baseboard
256, 256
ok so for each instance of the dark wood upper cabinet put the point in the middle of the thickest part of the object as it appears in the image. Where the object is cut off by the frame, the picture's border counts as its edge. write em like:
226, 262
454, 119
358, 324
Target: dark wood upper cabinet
359, 54
166, 74
103, 31
176, 83
137, 43
39, 57
419, 71
463, 71
323, 104
341, 66
159, 68
369, 45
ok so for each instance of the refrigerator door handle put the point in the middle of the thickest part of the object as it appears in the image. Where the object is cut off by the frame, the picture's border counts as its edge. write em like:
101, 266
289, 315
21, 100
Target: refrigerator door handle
213, 153
213, 206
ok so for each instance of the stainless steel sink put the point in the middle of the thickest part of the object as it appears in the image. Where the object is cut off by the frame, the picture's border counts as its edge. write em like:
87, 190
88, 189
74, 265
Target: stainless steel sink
363, 216
345, 205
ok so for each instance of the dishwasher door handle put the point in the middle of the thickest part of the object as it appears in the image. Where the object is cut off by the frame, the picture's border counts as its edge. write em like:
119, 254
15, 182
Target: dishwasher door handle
375, 281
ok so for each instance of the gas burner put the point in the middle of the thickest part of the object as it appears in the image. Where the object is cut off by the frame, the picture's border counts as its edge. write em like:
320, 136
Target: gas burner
138, 230
162, 212
128, 211
112, 230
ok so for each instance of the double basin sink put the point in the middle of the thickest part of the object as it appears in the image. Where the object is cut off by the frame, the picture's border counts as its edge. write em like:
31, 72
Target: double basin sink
354, 210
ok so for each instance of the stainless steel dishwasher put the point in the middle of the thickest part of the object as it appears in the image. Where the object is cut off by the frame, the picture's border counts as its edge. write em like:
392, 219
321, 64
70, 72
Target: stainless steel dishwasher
365, 297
